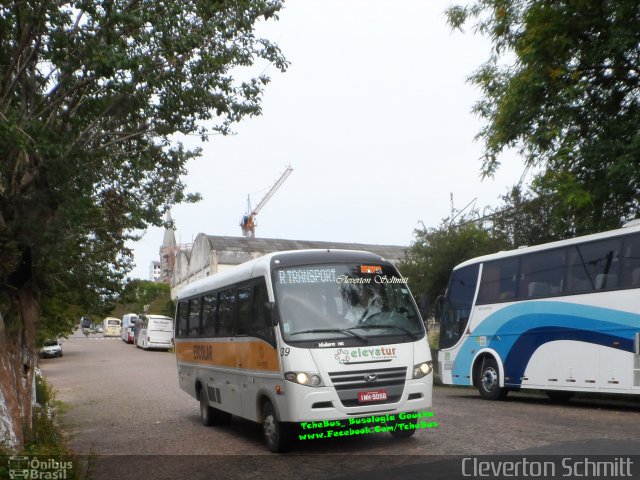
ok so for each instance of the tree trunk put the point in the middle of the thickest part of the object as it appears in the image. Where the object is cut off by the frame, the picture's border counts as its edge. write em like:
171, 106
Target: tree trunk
18, 359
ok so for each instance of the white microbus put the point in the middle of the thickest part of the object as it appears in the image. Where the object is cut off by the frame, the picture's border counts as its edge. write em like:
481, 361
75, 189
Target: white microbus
111, 327
563, 317
129, 327
303, 336
154, 331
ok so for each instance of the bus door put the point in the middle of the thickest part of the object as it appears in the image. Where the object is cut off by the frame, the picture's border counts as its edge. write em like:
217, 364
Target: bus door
226, 354
257, 359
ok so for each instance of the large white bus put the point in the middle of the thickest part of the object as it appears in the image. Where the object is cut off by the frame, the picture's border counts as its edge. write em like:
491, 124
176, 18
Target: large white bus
154, 332
562, 317
111, 327
303, 336
129, 327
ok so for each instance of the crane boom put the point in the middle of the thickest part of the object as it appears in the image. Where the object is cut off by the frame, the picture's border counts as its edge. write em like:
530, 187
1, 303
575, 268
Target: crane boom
248, 224
273, 189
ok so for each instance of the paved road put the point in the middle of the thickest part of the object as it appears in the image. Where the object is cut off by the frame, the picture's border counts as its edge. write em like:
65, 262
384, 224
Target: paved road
125, 401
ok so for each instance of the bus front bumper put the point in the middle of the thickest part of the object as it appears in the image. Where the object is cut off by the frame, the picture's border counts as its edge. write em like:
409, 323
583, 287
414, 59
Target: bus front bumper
323, 403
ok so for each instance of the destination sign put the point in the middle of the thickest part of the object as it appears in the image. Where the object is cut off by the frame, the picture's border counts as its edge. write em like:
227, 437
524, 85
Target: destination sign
307, 275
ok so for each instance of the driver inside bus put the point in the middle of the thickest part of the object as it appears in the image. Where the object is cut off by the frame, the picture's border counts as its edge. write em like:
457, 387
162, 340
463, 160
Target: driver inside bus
363, 307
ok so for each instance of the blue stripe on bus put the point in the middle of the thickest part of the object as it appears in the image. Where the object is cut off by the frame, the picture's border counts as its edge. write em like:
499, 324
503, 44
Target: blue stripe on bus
516, 331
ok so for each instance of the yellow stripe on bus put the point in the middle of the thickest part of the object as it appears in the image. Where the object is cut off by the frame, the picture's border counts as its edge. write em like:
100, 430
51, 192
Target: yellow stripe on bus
256, 355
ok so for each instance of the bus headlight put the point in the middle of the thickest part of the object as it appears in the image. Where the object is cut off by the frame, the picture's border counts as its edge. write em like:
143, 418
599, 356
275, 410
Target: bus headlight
304, 378
422, 369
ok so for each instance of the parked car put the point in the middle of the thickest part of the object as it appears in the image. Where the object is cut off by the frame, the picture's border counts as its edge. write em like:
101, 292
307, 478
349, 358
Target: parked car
51, 348
99, 329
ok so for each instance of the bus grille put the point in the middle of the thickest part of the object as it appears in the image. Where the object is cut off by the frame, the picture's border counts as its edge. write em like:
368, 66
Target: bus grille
348, 384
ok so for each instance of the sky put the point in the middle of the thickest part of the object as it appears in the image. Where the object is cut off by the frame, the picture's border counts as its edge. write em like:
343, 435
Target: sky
374, 116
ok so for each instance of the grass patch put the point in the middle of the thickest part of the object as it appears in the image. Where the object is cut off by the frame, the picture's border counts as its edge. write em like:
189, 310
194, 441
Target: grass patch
45, 439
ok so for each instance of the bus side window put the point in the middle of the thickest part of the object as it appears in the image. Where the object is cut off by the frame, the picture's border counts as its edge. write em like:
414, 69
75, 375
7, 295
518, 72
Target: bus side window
183, 319
602, 262
225, 312
209, 305
260, 324
499, 281
244, 310
631, 261
194, 317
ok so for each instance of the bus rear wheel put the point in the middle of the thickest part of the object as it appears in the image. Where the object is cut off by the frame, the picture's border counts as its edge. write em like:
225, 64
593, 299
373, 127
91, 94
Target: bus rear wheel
277, 435
209, 415
489, 381
206, 412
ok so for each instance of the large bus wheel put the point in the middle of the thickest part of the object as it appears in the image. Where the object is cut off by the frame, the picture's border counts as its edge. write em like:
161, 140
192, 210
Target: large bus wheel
489, 381
276, 434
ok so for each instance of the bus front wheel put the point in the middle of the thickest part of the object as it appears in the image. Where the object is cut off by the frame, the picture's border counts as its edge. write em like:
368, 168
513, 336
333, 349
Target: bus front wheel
403, 428
489, 381
276, 433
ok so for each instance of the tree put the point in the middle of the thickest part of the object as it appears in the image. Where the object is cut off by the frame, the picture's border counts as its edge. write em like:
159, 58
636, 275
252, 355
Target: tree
435, 251
92, 95
140, 295
563, 86
526, 219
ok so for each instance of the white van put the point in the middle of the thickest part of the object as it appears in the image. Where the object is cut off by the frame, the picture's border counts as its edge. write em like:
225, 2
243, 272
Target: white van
129, 327
154, 331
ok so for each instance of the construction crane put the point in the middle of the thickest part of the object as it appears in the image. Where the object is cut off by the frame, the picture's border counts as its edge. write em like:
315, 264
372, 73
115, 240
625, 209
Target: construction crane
248, 222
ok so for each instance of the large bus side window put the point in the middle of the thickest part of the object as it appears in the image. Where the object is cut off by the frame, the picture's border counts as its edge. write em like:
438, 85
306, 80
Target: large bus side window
542, 274
225, 312
209, 304
457, 310
260, 325
602, 262
631, 261
183, 319
194, 317
578, 280
499, 281
244, 310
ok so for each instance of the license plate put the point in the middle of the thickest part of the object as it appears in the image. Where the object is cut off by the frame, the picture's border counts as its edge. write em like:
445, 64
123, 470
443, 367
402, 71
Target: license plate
372, 396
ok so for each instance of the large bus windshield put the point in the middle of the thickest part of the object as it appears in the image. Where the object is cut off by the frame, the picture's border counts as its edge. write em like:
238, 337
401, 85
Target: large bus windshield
344, 300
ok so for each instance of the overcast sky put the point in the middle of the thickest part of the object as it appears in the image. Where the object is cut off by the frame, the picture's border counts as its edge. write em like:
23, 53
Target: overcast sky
374, 116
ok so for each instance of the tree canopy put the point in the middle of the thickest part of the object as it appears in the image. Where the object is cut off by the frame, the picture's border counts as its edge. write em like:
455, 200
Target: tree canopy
435, 251
562, 85
93, 94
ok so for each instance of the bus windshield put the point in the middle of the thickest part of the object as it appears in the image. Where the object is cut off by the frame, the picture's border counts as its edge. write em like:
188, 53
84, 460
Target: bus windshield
345, 301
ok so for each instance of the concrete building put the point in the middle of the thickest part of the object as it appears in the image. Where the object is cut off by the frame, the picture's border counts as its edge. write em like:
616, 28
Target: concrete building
154, 271
211, 254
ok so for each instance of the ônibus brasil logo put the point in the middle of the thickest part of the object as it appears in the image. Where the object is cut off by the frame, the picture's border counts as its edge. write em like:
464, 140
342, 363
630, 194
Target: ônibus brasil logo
33, 468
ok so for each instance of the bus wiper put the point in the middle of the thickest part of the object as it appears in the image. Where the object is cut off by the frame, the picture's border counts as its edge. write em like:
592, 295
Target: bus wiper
410, 334
333, 330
